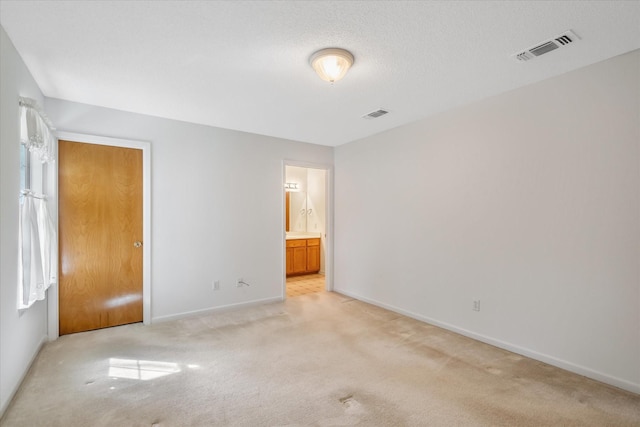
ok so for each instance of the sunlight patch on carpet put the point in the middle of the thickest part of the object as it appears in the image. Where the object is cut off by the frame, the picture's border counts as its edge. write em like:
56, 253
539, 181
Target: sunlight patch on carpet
143, 370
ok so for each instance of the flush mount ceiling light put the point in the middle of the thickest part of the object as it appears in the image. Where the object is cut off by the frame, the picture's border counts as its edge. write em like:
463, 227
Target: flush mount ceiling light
331, 64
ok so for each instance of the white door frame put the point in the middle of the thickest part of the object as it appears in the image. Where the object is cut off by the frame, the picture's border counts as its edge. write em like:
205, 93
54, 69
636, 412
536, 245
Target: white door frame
53, 308
328, 261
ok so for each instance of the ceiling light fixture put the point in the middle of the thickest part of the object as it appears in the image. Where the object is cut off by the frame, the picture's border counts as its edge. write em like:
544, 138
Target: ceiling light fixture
331, 64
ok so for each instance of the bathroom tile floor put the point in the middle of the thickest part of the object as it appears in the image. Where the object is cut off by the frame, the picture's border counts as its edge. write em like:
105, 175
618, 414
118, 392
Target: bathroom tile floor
307, 284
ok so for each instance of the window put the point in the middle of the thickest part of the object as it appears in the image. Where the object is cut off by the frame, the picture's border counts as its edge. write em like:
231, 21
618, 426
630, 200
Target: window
37, 247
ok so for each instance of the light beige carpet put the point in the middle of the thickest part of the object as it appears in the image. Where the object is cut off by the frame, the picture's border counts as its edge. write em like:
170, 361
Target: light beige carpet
315, 360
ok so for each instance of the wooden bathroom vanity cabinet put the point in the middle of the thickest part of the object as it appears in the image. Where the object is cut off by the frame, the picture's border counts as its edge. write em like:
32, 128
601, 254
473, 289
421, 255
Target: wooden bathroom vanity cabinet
303, 256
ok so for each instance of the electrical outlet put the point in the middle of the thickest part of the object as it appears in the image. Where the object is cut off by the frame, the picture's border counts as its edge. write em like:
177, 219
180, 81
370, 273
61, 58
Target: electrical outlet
216, 285
476, 305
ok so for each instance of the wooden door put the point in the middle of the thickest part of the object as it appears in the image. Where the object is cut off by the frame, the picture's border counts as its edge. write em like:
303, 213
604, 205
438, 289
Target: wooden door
299, 259
313, 258
100, 236
289, 260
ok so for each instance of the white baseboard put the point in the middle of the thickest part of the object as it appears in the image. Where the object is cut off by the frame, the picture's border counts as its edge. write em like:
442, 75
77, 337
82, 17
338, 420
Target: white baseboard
215, 309
563, 364
6, 404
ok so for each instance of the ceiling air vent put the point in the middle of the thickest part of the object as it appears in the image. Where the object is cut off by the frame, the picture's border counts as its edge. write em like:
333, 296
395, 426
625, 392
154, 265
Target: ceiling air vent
375, 114
543, 48
547, 46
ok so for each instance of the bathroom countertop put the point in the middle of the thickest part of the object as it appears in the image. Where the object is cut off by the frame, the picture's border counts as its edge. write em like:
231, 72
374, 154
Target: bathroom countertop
302, 235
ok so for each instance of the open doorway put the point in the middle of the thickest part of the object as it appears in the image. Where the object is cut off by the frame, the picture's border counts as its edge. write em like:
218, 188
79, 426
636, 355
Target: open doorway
306, 230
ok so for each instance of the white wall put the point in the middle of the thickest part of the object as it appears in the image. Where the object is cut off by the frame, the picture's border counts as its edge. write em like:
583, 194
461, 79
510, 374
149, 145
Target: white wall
297, 175
217, 205
21, 334
528, 201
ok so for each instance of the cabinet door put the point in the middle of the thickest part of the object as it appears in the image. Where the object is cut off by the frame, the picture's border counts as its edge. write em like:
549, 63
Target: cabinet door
299, 259
289, 261
313, 259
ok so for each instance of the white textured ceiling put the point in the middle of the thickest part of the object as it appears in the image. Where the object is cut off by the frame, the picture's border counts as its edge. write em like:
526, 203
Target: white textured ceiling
244, 65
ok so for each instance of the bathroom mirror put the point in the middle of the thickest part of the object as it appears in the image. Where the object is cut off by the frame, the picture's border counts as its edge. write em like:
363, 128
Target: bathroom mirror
305, 200
297, 211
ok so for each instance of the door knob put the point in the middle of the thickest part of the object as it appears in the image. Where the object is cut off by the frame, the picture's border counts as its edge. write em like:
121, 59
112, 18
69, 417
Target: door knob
137, 244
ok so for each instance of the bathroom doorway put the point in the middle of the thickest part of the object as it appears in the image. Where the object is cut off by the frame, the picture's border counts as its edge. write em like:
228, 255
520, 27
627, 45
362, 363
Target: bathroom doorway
305, 230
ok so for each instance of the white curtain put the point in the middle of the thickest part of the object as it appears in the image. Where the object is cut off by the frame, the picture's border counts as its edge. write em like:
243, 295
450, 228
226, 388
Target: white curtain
38, 252
36, 131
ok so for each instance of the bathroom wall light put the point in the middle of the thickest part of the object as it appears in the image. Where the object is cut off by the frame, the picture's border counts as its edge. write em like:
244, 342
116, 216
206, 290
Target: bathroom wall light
331, 64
